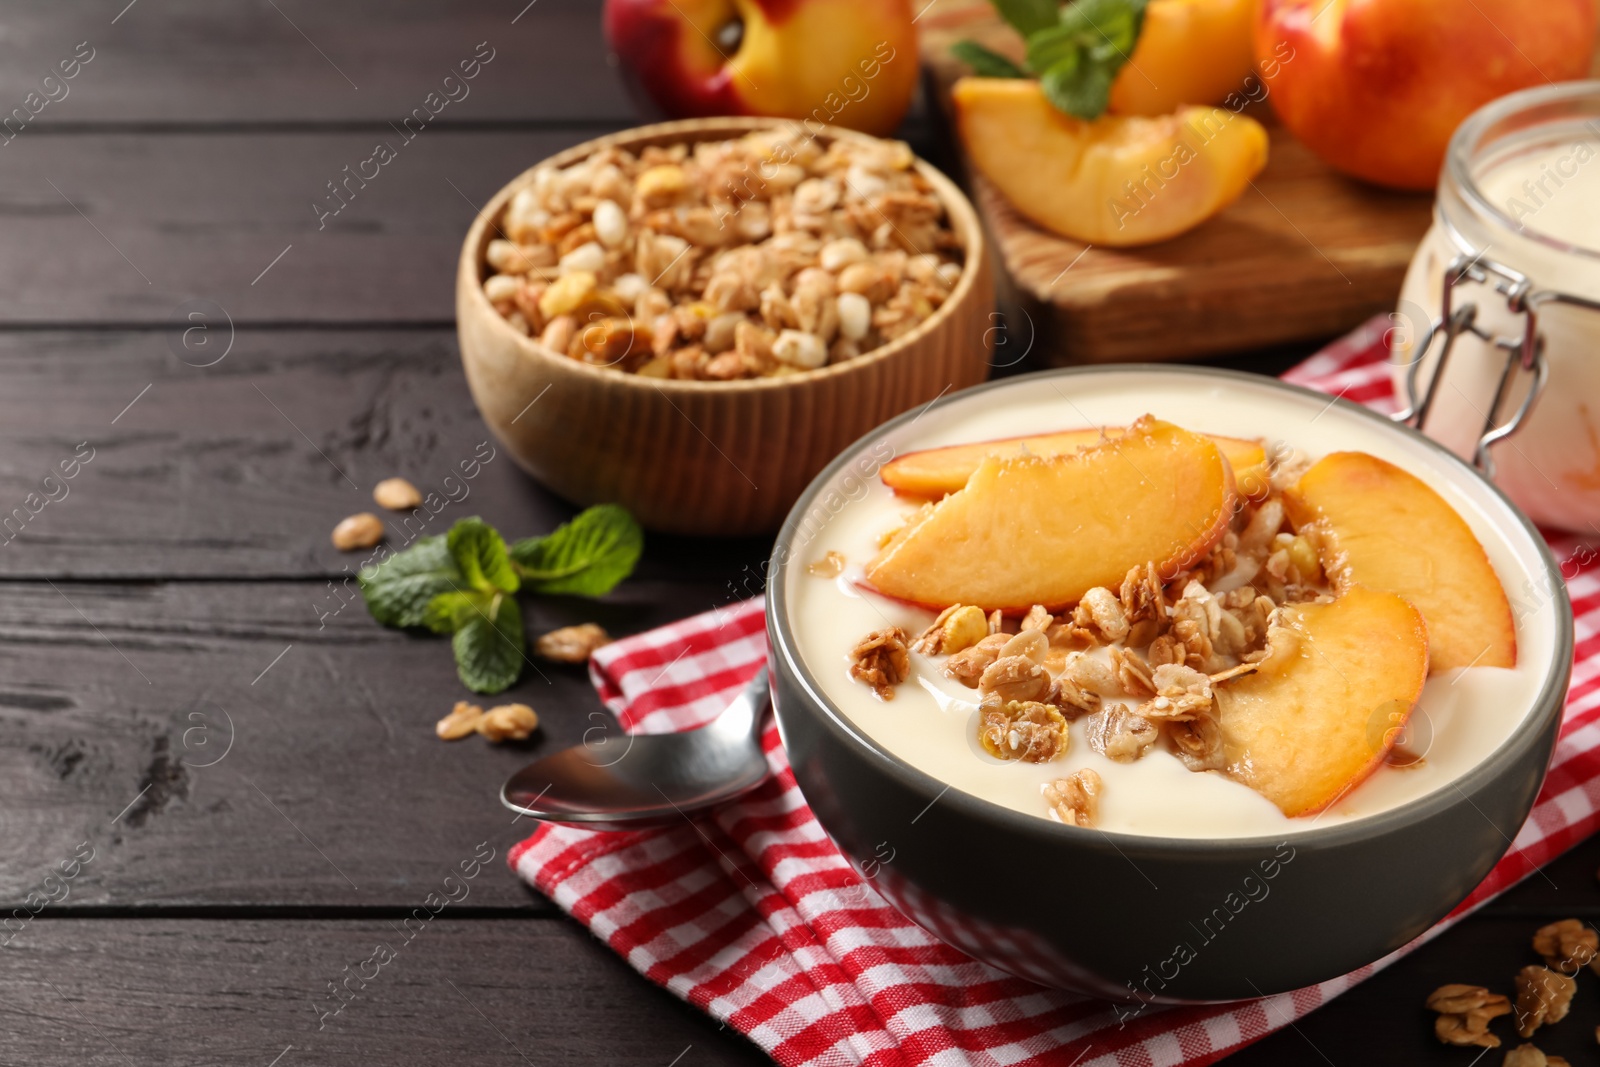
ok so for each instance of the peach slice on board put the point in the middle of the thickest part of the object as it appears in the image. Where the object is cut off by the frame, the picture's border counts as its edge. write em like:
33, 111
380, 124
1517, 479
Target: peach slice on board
1386, 529
1329, 702
1029, 529
933, 472
1118, 181
1189, 52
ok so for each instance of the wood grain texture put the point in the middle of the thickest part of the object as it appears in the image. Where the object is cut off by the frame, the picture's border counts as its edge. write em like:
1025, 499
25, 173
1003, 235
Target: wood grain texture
701, 457
184, 215
1303, 254
504, 993
225, 744
240, 469
194, 61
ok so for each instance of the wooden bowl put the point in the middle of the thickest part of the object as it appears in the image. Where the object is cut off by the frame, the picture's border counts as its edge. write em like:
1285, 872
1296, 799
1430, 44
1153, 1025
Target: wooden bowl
691, 457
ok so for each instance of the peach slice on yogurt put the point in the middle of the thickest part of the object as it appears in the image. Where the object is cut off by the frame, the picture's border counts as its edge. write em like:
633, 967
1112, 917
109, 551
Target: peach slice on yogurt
933, 472
1045, 529
1328, 702
1386, 529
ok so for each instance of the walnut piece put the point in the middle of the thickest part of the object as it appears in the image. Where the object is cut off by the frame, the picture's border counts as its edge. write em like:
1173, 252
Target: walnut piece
508, 722
881, 660
1464, 1014
1120, 735
1022, 730
1075, 799
1566, 945
462, 720
1543, 996
572, 644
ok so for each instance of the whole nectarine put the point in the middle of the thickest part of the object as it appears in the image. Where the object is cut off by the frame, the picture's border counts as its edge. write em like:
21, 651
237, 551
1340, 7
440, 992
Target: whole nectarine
846, 62
1376, 87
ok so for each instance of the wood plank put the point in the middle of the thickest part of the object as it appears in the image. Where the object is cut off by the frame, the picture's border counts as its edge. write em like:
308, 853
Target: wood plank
169, 218
1304, 254
510, 992
119, 702
188, 61
239, 470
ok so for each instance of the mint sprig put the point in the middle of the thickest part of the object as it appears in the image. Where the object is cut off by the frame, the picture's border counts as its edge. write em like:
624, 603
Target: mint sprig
1076, 53
586, 557
465, 583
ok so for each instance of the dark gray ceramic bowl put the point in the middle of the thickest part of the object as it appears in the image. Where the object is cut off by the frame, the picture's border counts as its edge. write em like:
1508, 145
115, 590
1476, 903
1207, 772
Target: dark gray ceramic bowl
1154, 919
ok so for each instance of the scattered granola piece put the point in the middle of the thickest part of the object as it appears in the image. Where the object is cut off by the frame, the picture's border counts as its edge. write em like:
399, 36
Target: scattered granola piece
1182, 693
881, 660
965, 628
1143, 597
1022, 729
1119, 734
508, 722
968, 665
1566, 945
1196, 621
1234, 672
462, 720
1101, 611
1263, 526
1030, 644
1464, 1014
1089, 672
1543, 996
1133, 674
1075, 799
928, 641
1530, 1056
396, 494
572, 644
1037, 618
1014, 679
829, 566
357, 532
1197, 743
1071, 697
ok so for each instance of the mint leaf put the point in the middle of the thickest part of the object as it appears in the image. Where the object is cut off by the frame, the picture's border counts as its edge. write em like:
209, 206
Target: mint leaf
1110, 27
1079, 89
480, 553
489, 644
397, 590
985, 62
1028, 16
448, 612
1079, 57
587, 557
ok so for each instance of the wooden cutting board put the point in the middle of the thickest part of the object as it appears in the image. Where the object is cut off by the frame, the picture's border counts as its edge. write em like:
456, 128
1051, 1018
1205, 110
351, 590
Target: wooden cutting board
1303, 255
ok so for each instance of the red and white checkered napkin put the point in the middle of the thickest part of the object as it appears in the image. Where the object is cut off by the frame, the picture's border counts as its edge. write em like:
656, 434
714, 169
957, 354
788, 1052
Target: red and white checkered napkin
752, 915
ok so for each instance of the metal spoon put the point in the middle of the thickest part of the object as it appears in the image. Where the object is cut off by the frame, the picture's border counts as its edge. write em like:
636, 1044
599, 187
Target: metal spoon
648, 779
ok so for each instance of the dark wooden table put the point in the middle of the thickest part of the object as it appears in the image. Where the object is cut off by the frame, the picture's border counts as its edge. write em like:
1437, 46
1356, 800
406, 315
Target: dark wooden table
183, 692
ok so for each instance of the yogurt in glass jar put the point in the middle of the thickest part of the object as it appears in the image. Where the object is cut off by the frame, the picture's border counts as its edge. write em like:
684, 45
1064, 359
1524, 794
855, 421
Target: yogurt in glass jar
1508, 282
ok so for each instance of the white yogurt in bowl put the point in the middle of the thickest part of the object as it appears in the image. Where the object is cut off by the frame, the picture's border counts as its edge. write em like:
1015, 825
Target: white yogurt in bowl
1462, 717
